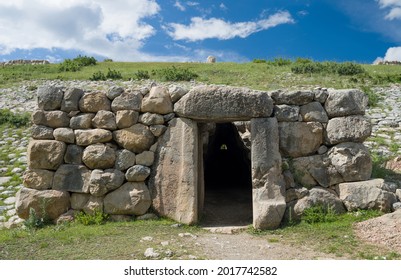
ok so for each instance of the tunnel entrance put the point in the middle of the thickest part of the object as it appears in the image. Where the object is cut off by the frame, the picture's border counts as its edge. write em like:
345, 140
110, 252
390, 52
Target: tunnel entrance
227, 178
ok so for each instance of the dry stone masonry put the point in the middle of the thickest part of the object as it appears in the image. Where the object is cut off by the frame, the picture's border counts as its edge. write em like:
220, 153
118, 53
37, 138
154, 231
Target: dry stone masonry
129, 152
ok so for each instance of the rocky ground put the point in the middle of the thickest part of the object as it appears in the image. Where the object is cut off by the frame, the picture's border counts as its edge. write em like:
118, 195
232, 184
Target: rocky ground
385, 141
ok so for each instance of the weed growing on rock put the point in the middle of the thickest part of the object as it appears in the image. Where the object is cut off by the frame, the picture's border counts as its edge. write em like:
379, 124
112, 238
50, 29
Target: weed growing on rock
97, 218
14, 119
175, 74
319, 214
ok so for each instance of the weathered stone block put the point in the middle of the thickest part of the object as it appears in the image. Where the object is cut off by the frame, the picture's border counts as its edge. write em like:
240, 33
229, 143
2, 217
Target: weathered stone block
38, 179
105, 120
348, 129
292, 97
71, 100
92, 136
45, 154
94, 102
64, 134
114, 92
268, 191
49, 98
129, 199
99, 156
175, 195
319, 197
82, 121
41, 132
176, 92
94, 204
79, 200
72, 178
127, 101
286, 113
157, 130
73, 155
145, 158
137, 173
53, 202
314, 112
124, 160
136, 138
102, 182
52, 119
157, 101
126, 118
346, 102
366, 195
223, 103
151, 119
300, 139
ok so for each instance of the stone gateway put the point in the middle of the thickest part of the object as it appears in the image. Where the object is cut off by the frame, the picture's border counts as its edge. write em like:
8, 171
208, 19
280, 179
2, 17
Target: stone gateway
214, 154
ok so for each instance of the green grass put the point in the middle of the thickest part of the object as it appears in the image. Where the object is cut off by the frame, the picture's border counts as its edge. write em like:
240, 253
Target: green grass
264, 76
121, 240
332, 236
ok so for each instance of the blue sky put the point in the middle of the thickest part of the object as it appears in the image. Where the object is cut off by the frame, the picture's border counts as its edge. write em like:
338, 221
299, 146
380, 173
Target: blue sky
179, 30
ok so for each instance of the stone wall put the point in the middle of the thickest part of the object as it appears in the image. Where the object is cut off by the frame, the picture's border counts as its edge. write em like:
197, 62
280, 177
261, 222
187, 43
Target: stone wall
128, 152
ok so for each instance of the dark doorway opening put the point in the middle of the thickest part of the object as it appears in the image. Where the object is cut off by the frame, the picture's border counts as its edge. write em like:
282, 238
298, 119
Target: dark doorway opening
227, 178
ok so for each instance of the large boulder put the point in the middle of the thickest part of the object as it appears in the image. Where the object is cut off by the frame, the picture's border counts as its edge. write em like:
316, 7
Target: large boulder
346, 102
86, 137
224, 104
176, 92
319, 197
52, 119
102, 182
94, 102
366, 195
45, 154
72, 178
300, 139
129, 199
127, 101
298, 97
352, 161
136, 138
39, 179
46, 203
157, 101
71, 100
151, 119
99, 156
49, 98
348, 129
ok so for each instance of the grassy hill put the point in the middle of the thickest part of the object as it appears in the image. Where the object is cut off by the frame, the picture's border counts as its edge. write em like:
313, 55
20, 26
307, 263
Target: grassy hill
263, 75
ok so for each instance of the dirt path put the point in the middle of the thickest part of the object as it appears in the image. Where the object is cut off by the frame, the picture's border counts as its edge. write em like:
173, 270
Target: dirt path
243, 246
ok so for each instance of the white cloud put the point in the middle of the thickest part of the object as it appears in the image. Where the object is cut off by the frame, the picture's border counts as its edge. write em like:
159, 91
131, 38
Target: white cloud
394, 7
393, 54
201, 29
179, 6
192, 4
114, 29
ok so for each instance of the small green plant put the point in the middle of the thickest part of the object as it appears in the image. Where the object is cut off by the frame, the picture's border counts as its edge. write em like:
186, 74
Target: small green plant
97, 218
373, 97
107, 60
113, 74
36, 221
69, 65
279, 61
319, 214
175, 74
32, 88
141, 75
258, 60
14, 119
98, 76
85, 60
